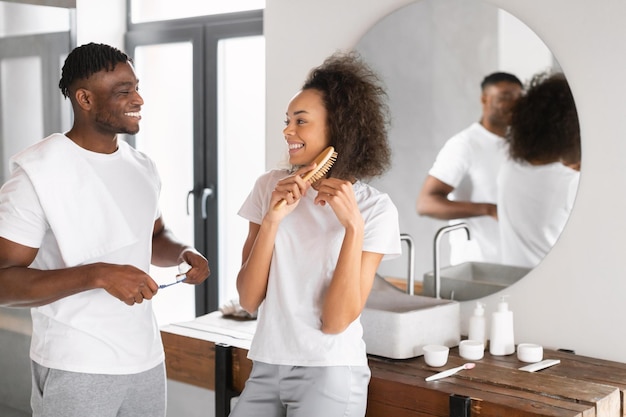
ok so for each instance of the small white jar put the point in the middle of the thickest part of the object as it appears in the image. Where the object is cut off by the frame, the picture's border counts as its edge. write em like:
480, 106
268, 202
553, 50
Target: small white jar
529, 352
436, 355
472, 349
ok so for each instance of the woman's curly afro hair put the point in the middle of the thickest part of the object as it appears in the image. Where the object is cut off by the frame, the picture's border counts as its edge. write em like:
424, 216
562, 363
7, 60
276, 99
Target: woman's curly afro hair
544, 125
357, 115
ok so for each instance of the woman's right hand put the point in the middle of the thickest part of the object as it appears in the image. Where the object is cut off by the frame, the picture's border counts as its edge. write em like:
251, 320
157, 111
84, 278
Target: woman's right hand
291, 189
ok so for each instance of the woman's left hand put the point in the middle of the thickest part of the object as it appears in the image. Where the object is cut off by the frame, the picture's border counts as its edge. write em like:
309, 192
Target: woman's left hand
340, 196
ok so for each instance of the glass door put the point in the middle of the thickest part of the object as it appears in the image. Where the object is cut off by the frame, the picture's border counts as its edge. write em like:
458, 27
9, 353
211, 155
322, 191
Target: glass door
166, 135
203, 87
241, 145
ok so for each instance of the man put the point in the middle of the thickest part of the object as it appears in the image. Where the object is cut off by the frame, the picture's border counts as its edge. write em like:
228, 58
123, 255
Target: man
79, 227
462, 182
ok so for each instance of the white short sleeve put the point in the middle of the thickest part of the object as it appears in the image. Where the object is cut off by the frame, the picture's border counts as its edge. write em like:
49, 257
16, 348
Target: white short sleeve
22, 219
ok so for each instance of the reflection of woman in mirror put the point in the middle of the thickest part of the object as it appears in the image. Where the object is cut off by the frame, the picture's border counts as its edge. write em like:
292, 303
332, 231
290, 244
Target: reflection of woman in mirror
537, 186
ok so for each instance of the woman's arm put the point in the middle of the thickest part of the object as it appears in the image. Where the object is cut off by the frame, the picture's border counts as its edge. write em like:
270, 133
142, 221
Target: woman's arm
348, 292
355, 270
255, 268
259, 245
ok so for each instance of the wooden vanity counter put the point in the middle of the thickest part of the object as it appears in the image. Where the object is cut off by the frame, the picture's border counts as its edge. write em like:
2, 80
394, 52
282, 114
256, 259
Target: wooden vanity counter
577, 387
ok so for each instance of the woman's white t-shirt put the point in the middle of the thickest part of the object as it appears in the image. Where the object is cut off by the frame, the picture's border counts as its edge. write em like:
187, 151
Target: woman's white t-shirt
534, 204
305, 255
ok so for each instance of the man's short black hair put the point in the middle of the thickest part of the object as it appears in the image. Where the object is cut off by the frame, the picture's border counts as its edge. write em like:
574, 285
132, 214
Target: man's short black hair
498, 77
86, 60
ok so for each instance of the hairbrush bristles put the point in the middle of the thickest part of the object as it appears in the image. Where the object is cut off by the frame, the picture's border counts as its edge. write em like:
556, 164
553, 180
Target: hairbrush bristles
324, 162
321, 171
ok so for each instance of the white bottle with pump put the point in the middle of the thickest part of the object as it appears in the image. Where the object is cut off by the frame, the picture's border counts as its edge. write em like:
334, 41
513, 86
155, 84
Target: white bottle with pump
478, 325
502, 341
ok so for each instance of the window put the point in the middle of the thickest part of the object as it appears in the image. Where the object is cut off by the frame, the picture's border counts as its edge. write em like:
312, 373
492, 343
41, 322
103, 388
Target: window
155, 10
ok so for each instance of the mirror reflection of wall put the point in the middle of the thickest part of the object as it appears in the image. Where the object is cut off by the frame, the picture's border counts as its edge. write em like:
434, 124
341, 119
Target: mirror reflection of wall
432, 56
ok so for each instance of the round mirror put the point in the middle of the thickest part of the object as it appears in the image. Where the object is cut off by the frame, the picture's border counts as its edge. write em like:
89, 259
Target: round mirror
432, 56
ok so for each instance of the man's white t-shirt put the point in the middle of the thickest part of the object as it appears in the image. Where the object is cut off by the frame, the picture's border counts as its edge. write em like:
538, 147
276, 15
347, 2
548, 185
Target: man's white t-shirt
305, 255
92, 331
469, 162
534, 204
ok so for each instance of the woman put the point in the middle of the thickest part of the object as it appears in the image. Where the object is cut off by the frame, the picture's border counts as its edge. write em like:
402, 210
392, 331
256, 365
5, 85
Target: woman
308, 266
537, 186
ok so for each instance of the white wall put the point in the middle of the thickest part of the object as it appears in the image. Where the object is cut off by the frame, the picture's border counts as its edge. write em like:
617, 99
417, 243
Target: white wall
575, 298
101, 22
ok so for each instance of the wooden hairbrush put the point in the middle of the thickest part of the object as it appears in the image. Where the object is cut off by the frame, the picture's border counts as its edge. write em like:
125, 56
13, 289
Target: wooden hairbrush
323, 163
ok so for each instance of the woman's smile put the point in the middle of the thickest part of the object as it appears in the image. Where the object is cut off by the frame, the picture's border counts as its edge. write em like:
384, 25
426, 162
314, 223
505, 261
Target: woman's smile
305, 127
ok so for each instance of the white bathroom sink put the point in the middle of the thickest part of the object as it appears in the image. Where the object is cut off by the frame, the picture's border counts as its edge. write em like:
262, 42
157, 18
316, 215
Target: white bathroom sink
471, 280
397, 325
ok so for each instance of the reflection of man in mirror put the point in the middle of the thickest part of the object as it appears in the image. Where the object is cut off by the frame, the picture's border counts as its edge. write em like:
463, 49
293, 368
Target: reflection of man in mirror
538, 183
461, 185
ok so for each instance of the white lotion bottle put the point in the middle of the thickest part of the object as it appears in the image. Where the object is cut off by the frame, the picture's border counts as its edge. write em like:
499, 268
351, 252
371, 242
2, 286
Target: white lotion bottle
478, 325
502, 341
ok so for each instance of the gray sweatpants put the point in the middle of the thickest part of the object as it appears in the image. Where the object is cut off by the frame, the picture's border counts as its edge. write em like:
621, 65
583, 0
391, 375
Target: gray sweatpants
58, 393
304, 391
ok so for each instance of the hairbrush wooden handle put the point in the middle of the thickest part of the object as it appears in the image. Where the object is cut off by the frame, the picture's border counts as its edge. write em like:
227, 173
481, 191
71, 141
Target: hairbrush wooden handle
280, 204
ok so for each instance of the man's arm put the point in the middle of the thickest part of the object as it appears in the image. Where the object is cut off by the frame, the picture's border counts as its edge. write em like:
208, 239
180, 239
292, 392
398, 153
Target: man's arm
433, 201
21, 286
167, 250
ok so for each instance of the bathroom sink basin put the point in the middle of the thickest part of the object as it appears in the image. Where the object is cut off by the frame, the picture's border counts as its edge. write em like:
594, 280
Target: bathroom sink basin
471, 280
398, 325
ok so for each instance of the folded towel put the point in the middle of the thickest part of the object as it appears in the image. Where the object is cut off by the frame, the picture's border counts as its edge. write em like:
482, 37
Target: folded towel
83, 216
233, 309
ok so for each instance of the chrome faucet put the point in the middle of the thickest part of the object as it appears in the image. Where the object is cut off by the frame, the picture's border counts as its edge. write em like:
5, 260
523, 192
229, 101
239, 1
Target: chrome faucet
438, 236
410, 284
